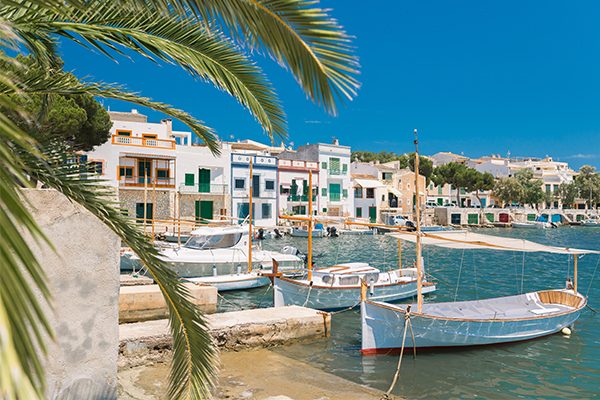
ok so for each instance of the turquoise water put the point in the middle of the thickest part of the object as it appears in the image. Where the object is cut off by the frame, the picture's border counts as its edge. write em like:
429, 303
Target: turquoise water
551, 367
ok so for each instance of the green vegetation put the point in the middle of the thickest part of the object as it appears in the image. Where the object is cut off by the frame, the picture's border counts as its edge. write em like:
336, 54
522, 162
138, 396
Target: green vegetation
586, 186
522, 188
190, 34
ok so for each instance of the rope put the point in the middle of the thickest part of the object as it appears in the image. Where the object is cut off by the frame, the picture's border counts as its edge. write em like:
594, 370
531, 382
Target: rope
397, 373
475, 275
345, 309
593, 276
522, 272
462, 258
307, 295
568, 265
516, 271
230, 302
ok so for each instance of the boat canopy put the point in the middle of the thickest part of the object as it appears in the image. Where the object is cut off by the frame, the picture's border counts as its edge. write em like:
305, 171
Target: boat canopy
477, 241
219, 230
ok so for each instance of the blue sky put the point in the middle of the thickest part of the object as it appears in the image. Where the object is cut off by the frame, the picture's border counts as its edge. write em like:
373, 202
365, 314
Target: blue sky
475, 77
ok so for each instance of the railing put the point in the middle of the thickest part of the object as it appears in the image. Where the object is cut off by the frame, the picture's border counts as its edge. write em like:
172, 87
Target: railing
149, 181
298, 197
208, 188
143, 142
335, 196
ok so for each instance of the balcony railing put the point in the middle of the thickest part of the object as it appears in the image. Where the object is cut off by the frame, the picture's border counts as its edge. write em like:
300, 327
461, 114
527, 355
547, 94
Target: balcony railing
143, 142
149, 181
208, 188
335, 196
298, 197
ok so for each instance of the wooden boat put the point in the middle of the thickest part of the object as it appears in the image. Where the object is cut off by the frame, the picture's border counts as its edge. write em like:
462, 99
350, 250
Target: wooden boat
243, 280
339, 286
591, 222
469, 323
532, 225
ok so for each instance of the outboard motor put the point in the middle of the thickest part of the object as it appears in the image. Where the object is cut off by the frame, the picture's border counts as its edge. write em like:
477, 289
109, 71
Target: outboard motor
332, 231
277, 233
295, 252
260, 235
411, 227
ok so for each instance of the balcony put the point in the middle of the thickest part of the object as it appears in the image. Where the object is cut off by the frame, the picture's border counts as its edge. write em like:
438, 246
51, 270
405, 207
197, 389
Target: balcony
149, 182
204, 188
143, 142
298, 197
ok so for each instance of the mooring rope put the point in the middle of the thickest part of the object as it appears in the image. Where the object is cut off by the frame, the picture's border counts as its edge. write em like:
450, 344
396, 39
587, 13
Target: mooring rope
307, 295
462, 258
593, 276
407, 324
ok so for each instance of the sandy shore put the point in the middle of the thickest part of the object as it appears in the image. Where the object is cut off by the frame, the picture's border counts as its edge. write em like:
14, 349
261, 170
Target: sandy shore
253, 374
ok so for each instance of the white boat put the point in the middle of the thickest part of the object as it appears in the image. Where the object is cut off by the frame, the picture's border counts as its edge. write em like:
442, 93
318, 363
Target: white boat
531, 225
339, 286
303, 232
238, 281
591, 222
476, 322
356, 231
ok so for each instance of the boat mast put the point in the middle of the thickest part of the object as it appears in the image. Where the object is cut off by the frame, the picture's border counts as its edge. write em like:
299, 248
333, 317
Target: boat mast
418, 223
310, 222
250, 219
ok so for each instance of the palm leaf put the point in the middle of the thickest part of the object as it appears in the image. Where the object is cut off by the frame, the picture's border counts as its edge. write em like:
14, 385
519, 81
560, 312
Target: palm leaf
202, 51
192, 370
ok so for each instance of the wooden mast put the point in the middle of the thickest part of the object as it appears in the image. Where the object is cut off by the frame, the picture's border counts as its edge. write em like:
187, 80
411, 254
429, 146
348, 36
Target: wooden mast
418, 223
575, 258
250, 220
310, 222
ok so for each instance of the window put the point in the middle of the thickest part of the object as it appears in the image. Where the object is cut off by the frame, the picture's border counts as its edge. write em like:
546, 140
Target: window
123, 133
358, 212
555, 189
335, 191
345, 193
348, 280
344, 169
440, 189
240, 183
334, 166
149, 135
548, 188
162, 174
370, 193
269, 185
189, 179
324, 165
324, 192
284, 190
358, 193
266, 211
387, 176
98, 167
324, 210
125, 172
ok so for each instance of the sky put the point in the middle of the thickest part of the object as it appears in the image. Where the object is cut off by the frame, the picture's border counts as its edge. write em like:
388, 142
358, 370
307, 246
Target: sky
474, 77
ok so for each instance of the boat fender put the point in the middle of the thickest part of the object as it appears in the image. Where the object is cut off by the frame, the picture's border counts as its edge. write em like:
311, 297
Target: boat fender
214, 270
239, 269
566, 331
371, 287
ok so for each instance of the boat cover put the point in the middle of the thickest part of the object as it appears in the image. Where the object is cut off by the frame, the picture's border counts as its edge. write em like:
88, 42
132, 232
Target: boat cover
478, 241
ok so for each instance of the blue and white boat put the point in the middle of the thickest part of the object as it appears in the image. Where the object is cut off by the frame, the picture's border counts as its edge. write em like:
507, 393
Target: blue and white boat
477, 322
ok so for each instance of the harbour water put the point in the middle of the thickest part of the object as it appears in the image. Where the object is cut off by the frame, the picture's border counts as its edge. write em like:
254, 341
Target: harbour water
551, 367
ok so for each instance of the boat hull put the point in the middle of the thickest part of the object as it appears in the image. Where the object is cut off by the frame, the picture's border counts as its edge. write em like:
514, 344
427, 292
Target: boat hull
383, 329
316, 233
289, 292
225, 283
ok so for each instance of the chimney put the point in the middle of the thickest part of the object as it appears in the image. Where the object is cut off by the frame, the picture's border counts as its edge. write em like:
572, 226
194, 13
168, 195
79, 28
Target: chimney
169, 123
134, 111
336, 142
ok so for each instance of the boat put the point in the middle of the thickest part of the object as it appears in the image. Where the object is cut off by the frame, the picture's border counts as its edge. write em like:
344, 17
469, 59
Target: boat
339, 286
239, 281
475, 322
531, 225
593, 221
303, 232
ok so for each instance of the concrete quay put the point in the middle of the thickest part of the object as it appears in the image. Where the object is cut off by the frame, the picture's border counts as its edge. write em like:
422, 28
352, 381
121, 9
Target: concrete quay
145, 302
142, 342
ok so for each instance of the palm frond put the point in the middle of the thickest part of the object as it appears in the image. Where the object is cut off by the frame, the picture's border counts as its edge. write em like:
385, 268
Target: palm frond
38, 81
202, 51
192, 370
298, 35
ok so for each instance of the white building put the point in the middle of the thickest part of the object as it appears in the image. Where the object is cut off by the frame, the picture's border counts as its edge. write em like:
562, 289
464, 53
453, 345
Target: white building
264, 187
293, 185
335, 184
159, 173
445, 157
498, 166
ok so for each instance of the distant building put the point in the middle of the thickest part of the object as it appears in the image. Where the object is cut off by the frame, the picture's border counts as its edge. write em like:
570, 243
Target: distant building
293, 185
445, 157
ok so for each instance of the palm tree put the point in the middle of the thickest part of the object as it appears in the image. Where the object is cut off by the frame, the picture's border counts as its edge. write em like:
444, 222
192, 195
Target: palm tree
210, 39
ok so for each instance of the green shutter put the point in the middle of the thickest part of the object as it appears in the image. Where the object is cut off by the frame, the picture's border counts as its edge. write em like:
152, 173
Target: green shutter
345, 193
358, 212
204, 210
373, 214
335, 190
189, 179
323, 165
324, 192
344, 168
334, 166
204, 180
473, 219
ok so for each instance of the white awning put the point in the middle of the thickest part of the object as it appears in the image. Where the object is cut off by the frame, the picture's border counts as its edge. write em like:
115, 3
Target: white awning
368, 183
477, 241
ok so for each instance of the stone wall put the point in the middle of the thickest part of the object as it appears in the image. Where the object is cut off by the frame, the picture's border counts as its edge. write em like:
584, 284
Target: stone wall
163, 202
83, 277
188, 204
